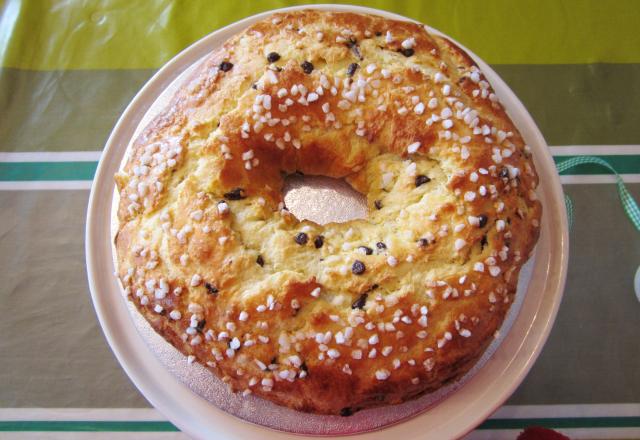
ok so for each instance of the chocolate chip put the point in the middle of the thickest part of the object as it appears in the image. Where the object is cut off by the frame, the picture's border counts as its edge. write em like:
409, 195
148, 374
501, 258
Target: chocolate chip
201, 325
235, 194
352, 68
360, 302
254, 86
407, 52
378, 34
366, 250
378, 204
318, 241
301, 238
225, 66
483, 219
273, 57
358, 267
211, 289
260, 261
381, 245
307, 67
346, 412
422, 179
353, 45
423, 242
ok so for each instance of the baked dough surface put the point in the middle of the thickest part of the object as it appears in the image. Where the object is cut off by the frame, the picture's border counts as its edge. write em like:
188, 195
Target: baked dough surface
338, 317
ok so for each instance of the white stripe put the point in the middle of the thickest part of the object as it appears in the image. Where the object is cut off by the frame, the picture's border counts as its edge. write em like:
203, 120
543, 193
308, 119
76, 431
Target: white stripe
576, 433
555, 411
45, 185
506, 412
52, 156
81, 414
58, 185
581, 179
502, 434
151, 414
51, 435
598, 150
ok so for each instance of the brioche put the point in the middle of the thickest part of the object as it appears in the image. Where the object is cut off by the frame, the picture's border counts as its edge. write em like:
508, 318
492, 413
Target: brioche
329, 318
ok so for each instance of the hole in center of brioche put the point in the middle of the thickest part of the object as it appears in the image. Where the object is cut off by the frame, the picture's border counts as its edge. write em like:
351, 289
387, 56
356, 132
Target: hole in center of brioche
323, 199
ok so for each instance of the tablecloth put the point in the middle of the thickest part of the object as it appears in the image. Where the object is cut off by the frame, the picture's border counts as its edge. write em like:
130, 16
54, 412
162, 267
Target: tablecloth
69, 68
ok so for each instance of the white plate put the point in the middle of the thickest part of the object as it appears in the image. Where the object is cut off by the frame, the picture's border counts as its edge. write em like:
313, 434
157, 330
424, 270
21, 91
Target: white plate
452, 417
263, 412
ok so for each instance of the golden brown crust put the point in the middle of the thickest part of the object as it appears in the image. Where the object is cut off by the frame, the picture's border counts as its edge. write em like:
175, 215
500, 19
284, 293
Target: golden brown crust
287, 318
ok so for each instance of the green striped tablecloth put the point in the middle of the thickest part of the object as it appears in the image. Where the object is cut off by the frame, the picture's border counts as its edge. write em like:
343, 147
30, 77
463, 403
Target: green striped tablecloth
69, 68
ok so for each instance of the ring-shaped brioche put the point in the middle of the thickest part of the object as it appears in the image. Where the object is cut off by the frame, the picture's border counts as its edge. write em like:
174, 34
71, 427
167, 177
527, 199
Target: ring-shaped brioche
338, 317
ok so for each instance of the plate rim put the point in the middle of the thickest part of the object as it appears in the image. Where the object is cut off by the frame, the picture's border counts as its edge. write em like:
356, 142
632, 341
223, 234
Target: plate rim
193, 420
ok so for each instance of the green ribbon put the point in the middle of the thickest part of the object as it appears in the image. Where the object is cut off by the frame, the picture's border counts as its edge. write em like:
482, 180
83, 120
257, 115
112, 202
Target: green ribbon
628, 203
568, 203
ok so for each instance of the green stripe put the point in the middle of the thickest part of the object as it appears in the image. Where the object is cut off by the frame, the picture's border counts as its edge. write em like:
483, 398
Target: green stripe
112, 34
563, 423
161, 426
39, 171
628, 202
76, 110
623, 164
45, 171
88, 426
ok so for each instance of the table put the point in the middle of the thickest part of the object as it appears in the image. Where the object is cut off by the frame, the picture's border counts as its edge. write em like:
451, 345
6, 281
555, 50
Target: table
67, 71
